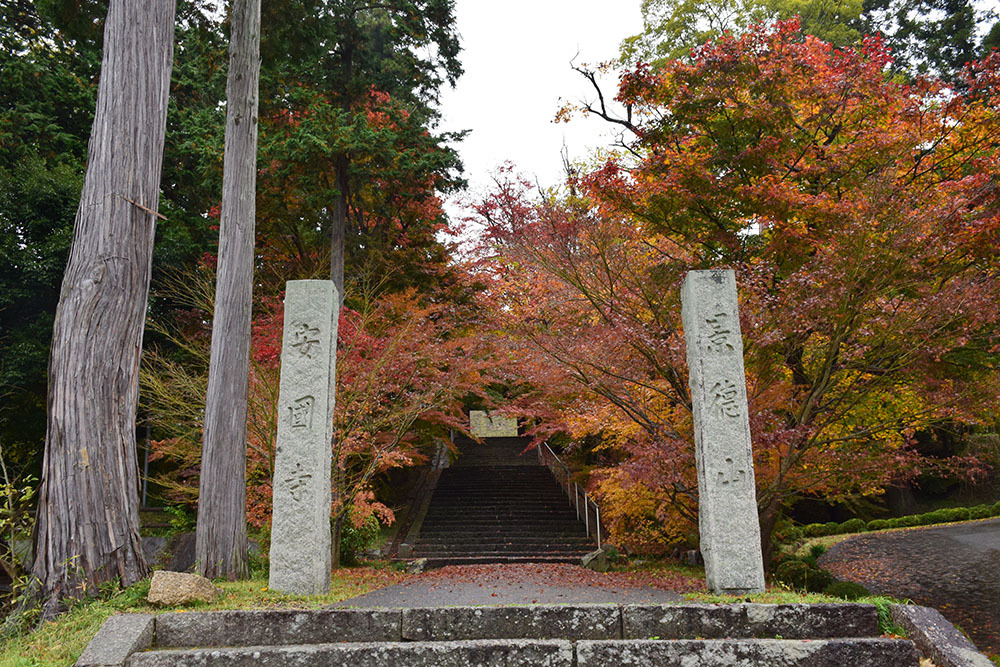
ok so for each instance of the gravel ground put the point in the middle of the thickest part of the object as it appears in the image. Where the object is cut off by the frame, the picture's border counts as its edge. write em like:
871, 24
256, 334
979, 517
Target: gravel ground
955, 569
520, 584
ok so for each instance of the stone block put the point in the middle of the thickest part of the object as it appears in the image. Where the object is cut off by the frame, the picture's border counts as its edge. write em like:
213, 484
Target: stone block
787, 621
527, 622
596, 561
174, 588
484, 425
749, 653
936, 638
277, 627
119, 637
729, 531
411, 654
300, 523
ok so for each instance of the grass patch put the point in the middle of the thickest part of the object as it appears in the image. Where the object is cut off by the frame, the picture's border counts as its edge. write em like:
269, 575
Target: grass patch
60, 642
779, 595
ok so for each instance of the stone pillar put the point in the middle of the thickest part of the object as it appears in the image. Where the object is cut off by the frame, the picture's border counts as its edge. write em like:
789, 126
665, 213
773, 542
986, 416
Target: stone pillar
300, 524
727, 499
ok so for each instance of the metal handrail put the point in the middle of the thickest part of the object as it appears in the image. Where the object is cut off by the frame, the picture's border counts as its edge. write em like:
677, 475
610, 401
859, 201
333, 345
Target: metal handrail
547, 456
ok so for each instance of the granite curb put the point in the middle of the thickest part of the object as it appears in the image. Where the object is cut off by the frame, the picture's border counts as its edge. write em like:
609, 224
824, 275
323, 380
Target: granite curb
119, 637
635, 627
937, 638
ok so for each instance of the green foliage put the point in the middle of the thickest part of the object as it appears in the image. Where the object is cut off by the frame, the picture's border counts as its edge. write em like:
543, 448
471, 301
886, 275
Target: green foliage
845, 589
38, 199
356, 539
851, 526
878, 524
672, 28
980, 512
928, 37
996, 509
815, 530
181, 520
932, 37
886, 625
801, 575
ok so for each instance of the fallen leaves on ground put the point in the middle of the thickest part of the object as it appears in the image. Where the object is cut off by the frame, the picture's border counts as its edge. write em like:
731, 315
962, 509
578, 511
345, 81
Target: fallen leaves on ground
562, 575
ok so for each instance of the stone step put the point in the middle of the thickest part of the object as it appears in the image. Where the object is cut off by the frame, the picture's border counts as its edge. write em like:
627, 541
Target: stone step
793, 635
426, 550
568, 524
592, 621
504, 537
481, 558
465, 544
552, 653
459, 515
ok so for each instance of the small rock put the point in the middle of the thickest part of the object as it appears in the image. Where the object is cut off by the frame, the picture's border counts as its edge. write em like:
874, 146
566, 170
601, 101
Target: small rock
174, 588
417, 566
693, 557
153, 548
596, 561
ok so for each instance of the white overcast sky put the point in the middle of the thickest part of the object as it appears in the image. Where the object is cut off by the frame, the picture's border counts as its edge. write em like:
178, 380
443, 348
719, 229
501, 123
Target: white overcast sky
517, 57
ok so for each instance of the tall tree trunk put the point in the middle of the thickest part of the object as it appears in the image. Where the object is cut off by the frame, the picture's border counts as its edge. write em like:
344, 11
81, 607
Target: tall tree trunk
87, 531
768, 517
339, 231
221, 540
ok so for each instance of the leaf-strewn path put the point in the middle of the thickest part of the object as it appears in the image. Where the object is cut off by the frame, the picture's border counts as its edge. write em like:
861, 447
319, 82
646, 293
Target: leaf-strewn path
953, 568
527, 583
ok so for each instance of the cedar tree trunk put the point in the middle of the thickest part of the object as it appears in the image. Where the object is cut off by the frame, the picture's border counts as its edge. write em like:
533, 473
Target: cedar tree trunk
221, 542
87, 531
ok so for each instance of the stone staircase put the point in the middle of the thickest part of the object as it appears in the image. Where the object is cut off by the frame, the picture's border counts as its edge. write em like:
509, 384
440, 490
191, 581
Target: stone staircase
497, 505
826, 635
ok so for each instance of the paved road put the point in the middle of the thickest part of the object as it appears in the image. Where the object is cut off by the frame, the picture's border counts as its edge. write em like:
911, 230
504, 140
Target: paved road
511, 584
954, 568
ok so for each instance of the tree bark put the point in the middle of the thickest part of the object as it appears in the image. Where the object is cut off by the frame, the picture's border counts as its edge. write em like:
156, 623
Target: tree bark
87, 532
335, 540
221, 540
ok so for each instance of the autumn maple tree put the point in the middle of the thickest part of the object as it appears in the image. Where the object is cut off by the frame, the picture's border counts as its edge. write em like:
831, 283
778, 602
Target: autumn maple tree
861, 217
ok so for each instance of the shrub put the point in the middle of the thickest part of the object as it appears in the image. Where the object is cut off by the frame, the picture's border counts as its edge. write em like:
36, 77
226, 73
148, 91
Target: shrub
787, 533
980, 512
906, 521
996, 509
817, 580
937, 516
814, 530
851, 526
793, 572
799, 574
832, 527
847, 590
354, 539
878, 524
959, 514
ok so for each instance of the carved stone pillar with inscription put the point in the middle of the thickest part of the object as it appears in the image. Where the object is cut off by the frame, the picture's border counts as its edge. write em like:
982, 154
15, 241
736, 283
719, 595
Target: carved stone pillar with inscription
300, 524
727, 500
